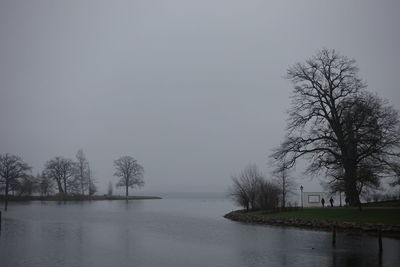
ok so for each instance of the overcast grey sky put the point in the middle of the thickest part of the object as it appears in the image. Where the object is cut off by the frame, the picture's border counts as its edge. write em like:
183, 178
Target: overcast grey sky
194, 90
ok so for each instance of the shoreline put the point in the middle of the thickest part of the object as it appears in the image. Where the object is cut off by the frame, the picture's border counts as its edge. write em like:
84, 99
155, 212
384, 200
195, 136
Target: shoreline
73, 198
387, 230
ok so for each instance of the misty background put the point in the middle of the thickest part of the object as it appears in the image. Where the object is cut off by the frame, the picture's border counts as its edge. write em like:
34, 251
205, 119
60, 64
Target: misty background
194, 90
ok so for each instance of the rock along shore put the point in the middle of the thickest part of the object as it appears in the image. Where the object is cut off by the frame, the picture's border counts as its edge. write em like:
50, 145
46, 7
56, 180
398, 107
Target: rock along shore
353, 227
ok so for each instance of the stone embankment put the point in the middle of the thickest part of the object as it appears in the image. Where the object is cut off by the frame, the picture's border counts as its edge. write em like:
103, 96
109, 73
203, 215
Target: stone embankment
387, 230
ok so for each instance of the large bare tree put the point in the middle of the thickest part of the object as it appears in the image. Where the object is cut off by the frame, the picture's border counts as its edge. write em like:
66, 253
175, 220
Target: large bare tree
12, 169
339, 127
62, 171
130, 173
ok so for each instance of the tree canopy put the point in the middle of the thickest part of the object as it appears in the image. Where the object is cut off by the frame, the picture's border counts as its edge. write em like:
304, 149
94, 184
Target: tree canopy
129, 171
12, 170
62, 171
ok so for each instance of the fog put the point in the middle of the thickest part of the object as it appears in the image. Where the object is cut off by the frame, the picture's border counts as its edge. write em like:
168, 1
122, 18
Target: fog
194, 90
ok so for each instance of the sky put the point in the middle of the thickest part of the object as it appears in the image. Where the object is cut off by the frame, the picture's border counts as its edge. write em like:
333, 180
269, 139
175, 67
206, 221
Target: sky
194, 90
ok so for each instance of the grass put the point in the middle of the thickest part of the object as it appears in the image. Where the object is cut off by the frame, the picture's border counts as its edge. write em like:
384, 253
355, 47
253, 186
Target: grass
367, 215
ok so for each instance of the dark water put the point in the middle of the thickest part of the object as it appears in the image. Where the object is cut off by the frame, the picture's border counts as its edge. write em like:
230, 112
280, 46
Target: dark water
175, 231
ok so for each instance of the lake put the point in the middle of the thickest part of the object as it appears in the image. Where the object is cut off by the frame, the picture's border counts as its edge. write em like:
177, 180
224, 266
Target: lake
179, 230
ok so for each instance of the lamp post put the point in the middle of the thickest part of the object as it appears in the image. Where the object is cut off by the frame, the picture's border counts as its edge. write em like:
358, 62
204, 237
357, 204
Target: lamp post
301, 189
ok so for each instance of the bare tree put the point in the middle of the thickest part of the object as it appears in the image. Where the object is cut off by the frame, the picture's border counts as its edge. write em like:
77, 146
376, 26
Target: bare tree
92, 188
45, 184
26, 185
91, 180
239, 194
353, 135
268, 197
285, 182
110, 188
62, 171
130, 173
12, 168
246, 187
82, 172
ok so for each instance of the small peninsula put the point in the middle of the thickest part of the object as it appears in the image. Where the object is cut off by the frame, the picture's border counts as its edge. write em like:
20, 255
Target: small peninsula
345, 219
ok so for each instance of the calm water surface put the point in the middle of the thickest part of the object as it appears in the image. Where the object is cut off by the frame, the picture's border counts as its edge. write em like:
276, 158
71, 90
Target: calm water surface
174, 231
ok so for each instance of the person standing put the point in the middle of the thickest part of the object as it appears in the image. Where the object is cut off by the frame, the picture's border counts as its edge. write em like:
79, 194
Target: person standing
323, 202
331, 201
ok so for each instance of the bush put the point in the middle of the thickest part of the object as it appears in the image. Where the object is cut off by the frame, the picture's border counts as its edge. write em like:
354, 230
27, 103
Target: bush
252, 191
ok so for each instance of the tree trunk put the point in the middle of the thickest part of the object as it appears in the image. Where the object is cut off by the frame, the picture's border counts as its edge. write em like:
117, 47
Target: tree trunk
89, 187
6, 198
126, 193
349, 151
60, 189
351, 187
65, 186
283, 190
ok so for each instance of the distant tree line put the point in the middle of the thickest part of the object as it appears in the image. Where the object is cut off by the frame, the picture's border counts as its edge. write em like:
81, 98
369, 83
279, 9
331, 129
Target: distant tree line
62, 176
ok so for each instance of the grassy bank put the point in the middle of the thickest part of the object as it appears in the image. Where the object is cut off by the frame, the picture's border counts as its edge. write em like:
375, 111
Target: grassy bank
369, 220
367, 215
74, 198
